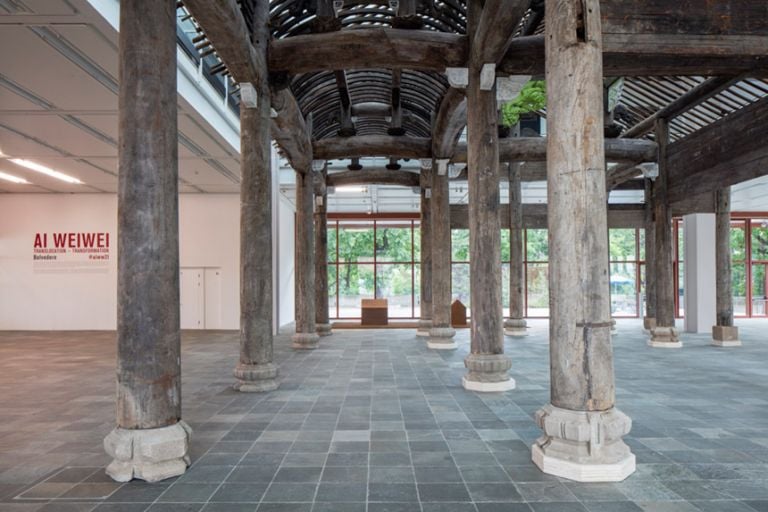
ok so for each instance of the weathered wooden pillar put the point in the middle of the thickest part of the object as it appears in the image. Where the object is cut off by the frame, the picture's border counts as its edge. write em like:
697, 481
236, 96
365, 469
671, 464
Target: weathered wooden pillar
255, 371
306, 336
441, 333
425, 227
486, 363
150, 441
724, 334
583, 430
322, 318
664, 334
649, 320
515, 325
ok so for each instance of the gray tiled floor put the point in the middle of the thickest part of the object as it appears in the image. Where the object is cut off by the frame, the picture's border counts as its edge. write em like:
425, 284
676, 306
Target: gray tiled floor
375, 422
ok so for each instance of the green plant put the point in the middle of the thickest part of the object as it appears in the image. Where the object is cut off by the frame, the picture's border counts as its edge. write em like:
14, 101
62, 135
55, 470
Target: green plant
532, 97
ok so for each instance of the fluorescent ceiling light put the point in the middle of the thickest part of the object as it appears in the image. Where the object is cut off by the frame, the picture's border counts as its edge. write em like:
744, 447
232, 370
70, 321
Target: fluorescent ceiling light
13, 179
350, 189
45, 170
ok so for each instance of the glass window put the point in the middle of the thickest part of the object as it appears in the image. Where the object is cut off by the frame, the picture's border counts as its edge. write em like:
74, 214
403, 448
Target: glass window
738, 241
459, 245
537, 285
758, 290
759, 240
393, 241
460, 283
623, 288
622, 244
394, 283
739, 283
332, 296
332, 243
355, 283
355, 241
537, 245
505, 245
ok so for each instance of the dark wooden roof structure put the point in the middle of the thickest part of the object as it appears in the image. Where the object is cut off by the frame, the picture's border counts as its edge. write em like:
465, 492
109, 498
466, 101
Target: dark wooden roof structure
353, 79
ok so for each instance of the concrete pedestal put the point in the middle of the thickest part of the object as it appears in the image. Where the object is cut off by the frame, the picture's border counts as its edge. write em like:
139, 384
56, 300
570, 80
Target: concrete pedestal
256, 378
583, 446
323, 329
441, 338
305, 341
723, 336
664, 337
148, 454
422, 331
515, 327
487, 373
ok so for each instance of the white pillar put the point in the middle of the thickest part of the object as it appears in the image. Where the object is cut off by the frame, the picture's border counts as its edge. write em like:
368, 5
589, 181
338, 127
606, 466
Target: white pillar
700, 271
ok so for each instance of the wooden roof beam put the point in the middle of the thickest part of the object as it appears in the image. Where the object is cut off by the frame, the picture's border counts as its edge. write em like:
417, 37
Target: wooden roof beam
372, 145
495, 29
347, 128
223, 24
396, 122
373, 177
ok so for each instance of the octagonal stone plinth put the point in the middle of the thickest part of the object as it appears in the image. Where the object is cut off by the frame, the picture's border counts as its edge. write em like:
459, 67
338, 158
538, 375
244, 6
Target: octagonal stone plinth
515, 327
441, 338
487, 373
256, 378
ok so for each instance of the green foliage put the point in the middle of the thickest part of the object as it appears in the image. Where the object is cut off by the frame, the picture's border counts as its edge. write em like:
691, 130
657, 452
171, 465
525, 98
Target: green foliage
532, 97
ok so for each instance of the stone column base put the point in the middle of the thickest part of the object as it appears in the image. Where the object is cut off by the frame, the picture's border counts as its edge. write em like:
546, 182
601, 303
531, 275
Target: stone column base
664, 337
487, 373
515, 327
725, 336
305, 340
323, 329
649, 323
151, 454
422, 331
583, 446
256, 378
441, 338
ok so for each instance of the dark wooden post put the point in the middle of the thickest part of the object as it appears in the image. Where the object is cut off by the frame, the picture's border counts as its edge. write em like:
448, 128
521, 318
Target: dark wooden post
322, 318
649, 320
425, 227
724, 334
515, 325
486, 363
441, 333
150, 441
664, 334
306, 336
583, 429
256, 372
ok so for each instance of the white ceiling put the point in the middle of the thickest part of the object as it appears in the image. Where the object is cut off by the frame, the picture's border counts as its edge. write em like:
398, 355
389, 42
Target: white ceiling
58, 104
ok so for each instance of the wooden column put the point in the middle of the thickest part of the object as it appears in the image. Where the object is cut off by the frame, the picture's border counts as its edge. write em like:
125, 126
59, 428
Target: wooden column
322, 319
306, 336
664, 334
724, 334
256, 372
582, 429
515, 324
150, 441
425, 228
649, 320
441, 333
486, 363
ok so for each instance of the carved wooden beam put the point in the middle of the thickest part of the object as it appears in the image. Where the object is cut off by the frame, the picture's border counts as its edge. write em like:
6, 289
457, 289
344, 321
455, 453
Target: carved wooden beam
424, 50
531, 149
373, 177
372, 145
525, 56
450, 120
225, 28
535, 216
495, 29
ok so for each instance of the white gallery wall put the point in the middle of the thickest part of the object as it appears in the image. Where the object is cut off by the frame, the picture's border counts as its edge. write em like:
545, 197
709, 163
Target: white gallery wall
78, 291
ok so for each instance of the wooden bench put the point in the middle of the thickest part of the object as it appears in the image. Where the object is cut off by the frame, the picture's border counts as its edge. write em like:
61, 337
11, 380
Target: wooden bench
374, 312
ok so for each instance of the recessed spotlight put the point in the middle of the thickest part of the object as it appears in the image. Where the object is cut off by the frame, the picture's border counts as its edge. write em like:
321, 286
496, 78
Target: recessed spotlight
34, 166
13, 179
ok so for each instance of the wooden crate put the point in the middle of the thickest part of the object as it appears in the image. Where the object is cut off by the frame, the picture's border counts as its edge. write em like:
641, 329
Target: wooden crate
374, 312
458, 314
